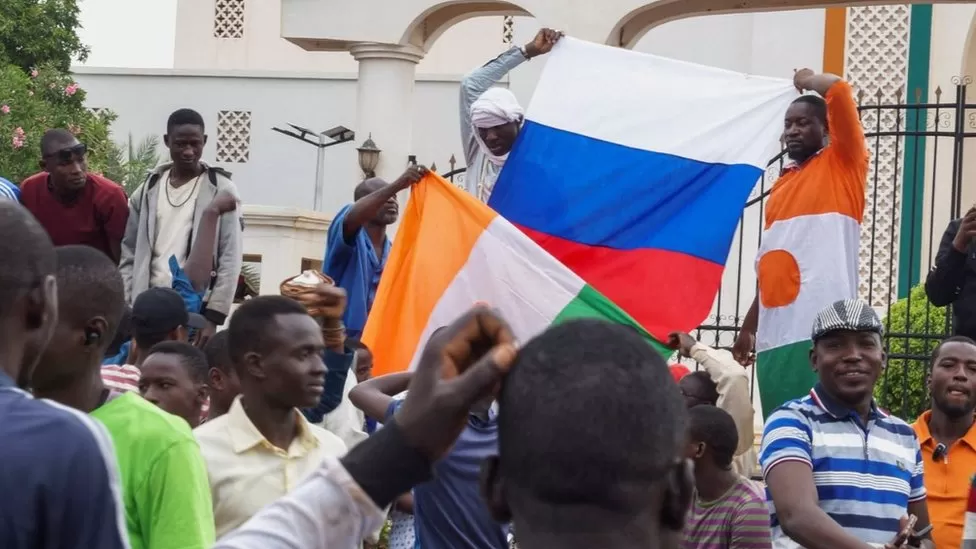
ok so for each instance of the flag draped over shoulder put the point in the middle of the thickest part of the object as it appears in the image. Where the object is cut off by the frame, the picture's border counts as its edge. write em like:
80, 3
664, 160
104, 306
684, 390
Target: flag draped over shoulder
453, 251
633, 170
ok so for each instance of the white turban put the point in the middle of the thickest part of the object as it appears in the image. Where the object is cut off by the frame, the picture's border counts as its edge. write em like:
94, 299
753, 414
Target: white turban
495, 107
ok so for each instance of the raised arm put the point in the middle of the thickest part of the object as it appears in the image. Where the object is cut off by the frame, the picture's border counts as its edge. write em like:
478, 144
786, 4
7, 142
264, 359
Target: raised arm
732, 384
745, 343
199, 262
366, 208
230, 257
374, 396
945, 280
479, 80
843, 122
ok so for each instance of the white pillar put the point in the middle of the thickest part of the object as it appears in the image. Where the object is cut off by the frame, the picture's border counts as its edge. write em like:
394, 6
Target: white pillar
384, 102
384, 105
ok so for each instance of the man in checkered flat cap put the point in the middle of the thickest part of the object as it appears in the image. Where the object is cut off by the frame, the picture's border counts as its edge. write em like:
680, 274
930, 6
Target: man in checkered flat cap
840, 471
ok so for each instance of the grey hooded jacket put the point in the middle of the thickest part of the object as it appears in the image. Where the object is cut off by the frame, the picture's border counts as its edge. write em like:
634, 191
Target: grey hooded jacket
140, 232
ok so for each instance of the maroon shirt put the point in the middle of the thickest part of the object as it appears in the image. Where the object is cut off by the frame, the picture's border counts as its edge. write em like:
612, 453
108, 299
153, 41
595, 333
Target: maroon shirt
96, 219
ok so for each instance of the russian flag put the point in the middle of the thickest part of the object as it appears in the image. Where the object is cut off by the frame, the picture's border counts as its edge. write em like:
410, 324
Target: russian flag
633, 170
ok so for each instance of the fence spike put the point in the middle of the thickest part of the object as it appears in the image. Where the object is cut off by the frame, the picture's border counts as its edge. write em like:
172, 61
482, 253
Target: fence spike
918, 95
860, 96
452, 162
433, 167
938, 93
898, 91
878, 95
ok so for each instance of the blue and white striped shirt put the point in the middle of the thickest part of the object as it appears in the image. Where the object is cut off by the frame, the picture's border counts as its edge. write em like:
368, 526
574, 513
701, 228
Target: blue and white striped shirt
865, 475
9, 191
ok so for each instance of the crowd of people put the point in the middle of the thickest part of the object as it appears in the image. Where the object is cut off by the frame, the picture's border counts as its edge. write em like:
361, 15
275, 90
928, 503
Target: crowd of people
128, 418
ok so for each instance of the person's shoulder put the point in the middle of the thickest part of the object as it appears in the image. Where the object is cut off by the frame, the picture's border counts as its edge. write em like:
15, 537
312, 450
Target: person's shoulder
6, 183
105, 185
140, 422
48, 429
219, 176
896, 424
339, 216
798, 408
33, 181
212, 431
329, 441
750, 493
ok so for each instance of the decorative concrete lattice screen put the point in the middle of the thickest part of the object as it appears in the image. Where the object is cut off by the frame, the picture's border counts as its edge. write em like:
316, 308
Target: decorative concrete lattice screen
877, 61
508, 30
229, 19
233, 136
98, 111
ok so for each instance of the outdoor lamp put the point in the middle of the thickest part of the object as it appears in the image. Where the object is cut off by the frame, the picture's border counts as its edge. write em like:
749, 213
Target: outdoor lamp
369, 156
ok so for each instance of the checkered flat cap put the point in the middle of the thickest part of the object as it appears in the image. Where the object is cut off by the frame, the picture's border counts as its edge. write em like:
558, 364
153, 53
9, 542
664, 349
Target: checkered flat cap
852, 315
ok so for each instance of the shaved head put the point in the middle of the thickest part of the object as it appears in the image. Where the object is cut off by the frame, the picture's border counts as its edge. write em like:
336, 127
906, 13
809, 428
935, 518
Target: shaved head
54, 140
368, 186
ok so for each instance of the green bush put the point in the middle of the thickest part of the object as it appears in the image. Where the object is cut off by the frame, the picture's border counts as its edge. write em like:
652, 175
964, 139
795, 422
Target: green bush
40, 32
34, 102
901, 389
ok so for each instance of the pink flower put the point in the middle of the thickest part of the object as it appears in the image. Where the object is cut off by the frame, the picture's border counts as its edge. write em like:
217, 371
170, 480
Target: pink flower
5, 109
34, 73
71, 89
18, 139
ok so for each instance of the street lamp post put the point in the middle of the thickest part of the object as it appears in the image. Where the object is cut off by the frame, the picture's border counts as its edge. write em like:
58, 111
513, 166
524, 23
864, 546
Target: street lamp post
324, 140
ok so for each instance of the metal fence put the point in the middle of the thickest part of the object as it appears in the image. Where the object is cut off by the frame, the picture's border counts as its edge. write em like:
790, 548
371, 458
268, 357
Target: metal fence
915, 145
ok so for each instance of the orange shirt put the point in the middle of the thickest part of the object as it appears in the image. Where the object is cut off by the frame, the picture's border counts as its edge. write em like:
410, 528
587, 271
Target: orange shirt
947, 482
835, 179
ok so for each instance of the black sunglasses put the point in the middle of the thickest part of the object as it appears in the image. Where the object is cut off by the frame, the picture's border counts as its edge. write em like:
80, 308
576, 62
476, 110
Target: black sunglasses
69, 154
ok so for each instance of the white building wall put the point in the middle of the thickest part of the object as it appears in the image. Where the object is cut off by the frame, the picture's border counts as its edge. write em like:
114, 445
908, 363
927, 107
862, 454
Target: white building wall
129, 33
280, 170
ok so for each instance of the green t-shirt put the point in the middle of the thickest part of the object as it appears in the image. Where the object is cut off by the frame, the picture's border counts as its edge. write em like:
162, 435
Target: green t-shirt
164, 478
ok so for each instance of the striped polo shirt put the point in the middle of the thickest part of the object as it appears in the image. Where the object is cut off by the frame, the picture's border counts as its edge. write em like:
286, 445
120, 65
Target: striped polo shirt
9, 191
739, 519
865, 475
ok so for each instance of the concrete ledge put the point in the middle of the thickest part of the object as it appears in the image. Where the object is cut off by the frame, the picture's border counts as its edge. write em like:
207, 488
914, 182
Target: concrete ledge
287, 218
271, 75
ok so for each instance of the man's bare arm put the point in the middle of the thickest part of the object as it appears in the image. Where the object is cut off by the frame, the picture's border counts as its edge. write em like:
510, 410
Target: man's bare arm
795, 496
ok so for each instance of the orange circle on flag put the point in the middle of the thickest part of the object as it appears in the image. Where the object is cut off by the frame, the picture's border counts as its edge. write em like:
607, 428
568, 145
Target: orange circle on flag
779, 278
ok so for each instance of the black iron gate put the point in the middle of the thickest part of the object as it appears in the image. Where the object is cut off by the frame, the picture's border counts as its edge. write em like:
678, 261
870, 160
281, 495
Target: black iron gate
915, 187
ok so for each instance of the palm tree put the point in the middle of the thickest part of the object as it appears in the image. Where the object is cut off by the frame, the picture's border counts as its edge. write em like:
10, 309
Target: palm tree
128, 165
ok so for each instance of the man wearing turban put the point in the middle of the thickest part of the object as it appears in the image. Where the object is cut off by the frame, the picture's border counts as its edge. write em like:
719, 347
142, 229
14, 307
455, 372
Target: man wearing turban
491, 117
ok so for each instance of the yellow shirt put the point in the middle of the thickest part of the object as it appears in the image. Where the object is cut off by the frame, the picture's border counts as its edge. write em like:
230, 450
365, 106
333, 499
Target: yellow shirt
947, 482
247, 472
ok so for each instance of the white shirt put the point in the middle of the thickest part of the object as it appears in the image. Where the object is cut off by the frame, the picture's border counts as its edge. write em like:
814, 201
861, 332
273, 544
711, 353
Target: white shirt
247, 472
174, 223
328, 511
346, 421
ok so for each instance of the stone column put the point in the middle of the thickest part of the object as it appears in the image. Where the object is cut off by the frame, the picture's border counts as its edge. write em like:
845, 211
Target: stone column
384, 103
